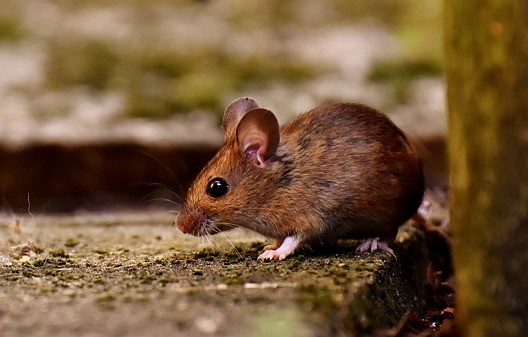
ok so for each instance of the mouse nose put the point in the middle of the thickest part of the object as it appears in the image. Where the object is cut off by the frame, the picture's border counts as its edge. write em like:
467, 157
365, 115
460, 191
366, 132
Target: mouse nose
189, 221
182, 221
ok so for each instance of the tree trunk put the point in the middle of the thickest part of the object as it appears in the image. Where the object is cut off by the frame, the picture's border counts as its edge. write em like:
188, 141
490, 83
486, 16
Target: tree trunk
487, 91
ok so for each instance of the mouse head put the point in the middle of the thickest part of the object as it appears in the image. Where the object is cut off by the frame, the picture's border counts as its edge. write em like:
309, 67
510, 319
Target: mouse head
230, 189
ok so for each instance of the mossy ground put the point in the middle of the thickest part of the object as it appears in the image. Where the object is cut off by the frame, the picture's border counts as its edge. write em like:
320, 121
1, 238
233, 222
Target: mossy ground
113, 278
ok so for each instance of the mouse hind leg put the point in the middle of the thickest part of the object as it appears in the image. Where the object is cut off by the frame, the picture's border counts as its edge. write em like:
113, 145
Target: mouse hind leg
380, 243
374, 245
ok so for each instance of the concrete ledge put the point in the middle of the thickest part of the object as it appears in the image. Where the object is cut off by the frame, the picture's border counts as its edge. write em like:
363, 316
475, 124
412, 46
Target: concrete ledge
394, 287
132, 274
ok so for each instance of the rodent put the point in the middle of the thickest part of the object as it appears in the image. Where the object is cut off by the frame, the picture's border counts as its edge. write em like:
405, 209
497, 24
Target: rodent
339, 171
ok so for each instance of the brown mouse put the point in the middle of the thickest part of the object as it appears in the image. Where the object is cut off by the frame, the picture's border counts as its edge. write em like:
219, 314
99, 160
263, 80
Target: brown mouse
339, 171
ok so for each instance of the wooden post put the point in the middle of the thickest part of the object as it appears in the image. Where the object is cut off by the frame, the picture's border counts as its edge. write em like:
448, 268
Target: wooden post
487, 91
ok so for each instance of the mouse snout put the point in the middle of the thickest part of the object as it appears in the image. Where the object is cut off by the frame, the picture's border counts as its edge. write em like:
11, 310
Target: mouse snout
190, 221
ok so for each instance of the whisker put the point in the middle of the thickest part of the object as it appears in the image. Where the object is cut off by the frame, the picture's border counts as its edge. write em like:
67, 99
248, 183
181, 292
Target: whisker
166, 200
160, 201
163, 197
215, 242
166, 188
216, 230
231, 243
203, 243
32, 217
228, 224
210, 241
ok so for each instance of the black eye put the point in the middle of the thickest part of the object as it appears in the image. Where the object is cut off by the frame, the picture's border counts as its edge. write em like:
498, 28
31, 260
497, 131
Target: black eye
217, 187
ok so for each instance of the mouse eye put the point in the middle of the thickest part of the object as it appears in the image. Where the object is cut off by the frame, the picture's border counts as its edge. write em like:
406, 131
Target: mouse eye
217, 187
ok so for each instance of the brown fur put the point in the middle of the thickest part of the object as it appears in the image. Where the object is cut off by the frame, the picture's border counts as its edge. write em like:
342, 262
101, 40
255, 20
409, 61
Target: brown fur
340, 171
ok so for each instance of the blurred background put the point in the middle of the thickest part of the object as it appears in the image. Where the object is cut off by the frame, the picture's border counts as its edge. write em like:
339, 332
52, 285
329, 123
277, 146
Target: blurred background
114, 104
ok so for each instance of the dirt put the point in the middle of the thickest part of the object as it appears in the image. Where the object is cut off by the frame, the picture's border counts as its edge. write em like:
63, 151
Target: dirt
135, 274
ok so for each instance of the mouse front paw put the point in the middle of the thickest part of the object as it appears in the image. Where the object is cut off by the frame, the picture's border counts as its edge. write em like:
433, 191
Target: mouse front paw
272, 254
286, 248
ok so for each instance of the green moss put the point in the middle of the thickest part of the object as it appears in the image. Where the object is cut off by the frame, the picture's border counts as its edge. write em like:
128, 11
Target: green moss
164, 281
90, 63
46, 290
71, 242
404, 70
314, 297
11, 29
324, 284
59, 253
71, 277
261, 68
400, 74
98, 280
197, 272
39, 263
164, 62
146, 278
256, 246
172, 83
200, 89
101, 251
162, 261
234, 281
278, 322
106, 301
206, 252
50, 271
136, 299
158, 83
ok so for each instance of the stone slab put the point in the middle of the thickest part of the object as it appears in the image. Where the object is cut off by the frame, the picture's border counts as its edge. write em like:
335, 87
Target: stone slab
134, 274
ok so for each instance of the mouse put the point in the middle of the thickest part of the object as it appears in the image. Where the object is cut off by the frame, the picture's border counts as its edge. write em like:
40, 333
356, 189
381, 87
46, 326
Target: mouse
339, 171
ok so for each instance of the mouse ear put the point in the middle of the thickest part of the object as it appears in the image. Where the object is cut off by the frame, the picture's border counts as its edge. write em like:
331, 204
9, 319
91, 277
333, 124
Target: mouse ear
258, 136
235, 111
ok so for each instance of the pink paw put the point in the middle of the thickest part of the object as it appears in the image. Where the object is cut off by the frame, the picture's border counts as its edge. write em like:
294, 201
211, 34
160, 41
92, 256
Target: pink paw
373, 245
272, 254
286, 248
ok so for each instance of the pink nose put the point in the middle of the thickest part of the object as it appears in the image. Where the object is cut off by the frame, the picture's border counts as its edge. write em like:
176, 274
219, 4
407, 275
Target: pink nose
183, 223
189, 221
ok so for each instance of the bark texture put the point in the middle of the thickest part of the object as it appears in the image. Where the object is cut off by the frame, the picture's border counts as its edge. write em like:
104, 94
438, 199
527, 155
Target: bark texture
487, 75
